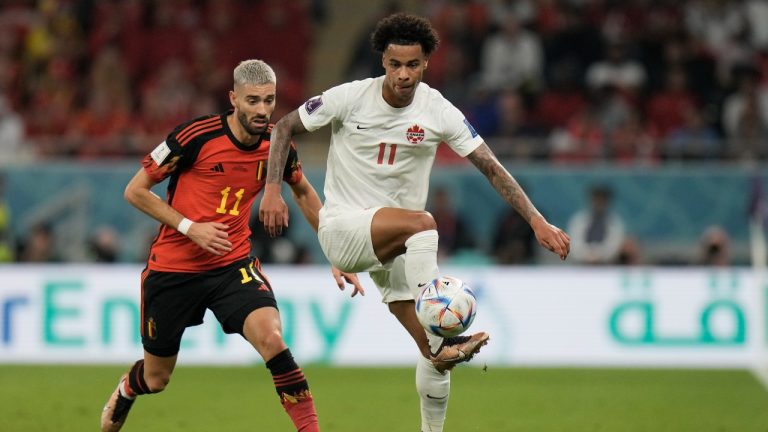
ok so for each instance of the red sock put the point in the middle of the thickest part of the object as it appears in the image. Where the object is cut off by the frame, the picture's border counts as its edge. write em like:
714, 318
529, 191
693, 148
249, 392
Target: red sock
301, 409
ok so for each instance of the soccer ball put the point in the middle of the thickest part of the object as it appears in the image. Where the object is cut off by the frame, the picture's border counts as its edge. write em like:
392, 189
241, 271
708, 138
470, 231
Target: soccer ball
446, 307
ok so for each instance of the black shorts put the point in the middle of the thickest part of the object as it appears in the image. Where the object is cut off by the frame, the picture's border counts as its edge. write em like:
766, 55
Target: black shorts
171, 302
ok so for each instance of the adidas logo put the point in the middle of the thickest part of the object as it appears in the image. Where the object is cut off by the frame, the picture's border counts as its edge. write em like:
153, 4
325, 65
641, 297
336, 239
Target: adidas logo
218, 168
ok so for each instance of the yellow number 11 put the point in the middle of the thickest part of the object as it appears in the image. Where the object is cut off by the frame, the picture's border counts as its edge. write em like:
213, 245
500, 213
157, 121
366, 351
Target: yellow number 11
224, 195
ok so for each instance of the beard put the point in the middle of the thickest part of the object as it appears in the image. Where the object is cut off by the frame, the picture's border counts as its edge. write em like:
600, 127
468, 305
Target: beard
246, 124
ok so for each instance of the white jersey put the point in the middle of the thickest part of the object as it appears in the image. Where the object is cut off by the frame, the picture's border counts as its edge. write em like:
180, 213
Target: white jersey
381, 155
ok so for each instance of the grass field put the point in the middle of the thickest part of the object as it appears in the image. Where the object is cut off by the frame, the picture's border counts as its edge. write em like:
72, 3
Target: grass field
234, 399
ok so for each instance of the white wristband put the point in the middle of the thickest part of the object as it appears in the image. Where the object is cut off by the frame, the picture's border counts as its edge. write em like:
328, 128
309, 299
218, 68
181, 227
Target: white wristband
184, 226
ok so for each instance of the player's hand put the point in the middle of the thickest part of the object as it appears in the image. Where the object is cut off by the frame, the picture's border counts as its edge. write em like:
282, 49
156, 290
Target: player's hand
551, 237
351, 278
211, 236
273, 212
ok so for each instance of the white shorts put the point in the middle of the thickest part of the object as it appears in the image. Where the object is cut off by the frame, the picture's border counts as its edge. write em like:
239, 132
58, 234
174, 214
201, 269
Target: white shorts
346, 242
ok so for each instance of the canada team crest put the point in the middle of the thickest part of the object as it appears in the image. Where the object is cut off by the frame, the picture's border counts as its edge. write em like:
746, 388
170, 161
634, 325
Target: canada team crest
415, 134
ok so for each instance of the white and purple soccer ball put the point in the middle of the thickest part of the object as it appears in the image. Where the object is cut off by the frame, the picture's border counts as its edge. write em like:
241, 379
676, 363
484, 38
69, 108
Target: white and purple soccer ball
446, 307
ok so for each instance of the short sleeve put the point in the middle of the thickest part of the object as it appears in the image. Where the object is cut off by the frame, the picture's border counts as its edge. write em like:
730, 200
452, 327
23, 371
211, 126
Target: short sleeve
321, 110
168, 157
459, 133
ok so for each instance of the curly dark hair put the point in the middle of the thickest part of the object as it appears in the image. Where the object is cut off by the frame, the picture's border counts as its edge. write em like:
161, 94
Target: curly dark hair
404, 29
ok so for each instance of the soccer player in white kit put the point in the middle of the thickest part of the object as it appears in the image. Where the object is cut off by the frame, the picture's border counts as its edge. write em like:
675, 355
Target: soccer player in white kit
385, 132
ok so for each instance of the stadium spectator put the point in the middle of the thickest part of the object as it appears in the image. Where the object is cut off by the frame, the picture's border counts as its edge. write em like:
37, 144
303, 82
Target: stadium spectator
512, 57
39, 245
455, 233
630, 253
12, 148
666, 109
597, 231
696, 139
215, 164
745, 116
617, 70
630, 143
104, 245
513, 240
715, 247
384, 138
515, 136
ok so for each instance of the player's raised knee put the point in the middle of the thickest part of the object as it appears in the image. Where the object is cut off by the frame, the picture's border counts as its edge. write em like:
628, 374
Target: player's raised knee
422, 221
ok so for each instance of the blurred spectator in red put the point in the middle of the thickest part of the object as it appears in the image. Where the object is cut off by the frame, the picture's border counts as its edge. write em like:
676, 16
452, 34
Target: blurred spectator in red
100, 127
462, 26
581, 139
666, 109
631, 143
562, 99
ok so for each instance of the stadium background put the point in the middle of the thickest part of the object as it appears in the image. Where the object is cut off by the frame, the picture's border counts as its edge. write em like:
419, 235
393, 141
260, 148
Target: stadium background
664, 102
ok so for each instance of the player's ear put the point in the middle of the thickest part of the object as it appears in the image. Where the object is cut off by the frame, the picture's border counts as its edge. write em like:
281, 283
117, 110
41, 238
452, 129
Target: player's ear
232, 98
426, 62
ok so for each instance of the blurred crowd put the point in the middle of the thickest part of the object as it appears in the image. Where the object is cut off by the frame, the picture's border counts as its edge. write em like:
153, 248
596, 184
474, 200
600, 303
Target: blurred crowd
111, 78
562, 81
633, 81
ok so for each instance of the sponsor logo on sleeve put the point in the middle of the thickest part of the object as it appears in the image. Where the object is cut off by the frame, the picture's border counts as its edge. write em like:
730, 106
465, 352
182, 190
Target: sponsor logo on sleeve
471, 129
160, 153
313, 104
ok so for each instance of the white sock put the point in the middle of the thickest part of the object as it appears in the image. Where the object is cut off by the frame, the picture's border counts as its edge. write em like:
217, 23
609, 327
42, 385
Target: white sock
434, 342
434, 389
421, 259
421, 267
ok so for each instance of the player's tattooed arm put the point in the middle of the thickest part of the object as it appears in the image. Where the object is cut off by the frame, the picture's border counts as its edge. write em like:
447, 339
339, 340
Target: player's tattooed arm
273, 212
280, 144
501, 180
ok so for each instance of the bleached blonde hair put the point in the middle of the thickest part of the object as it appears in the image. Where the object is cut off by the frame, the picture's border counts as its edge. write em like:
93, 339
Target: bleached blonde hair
254, 72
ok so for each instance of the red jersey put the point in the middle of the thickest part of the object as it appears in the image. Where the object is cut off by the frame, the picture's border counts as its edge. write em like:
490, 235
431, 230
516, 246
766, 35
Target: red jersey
213, 178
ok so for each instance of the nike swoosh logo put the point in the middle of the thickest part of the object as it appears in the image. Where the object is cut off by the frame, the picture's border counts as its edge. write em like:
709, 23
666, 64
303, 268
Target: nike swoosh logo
361, 128
420, 285
438, 398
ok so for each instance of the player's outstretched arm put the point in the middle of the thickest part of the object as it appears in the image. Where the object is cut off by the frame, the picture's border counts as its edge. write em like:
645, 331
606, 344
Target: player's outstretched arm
273, 212
211, 236
548, 235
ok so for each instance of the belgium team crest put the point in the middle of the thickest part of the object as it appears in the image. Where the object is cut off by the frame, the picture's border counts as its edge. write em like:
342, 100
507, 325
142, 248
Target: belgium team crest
415, 134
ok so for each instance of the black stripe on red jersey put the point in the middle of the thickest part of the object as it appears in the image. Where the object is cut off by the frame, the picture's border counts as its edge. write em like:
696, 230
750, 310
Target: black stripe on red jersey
195, 134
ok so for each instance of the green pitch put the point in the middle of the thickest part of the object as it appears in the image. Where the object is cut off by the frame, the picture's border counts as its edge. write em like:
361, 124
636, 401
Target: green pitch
69, 398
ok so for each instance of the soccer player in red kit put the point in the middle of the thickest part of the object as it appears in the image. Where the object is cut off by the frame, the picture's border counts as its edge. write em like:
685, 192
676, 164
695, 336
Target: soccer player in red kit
199, 260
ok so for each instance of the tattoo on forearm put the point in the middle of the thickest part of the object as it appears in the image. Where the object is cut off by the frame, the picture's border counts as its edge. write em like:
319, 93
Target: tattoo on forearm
278, 153
280, 145
502, 181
